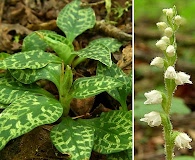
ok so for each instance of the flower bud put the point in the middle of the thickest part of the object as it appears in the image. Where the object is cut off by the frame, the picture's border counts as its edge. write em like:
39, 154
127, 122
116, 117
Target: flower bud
161, 25
161, 44
153, 119
153, 97
182, 141
168, 12
170, 50
158, 62
182, 78
178, 20
166, 39
168, 32
170, 73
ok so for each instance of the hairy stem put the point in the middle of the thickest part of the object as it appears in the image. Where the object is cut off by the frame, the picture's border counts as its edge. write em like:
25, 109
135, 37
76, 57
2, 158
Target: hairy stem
169, 144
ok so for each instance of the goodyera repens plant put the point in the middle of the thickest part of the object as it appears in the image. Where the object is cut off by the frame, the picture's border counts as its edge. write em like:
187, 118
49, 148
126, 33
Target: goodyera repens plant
26, 104
172, 78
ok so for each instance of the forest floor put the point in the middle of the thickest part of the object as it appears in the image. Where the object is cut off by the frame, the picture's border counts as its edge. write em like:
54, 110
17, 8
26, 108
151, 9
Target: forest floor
18, 18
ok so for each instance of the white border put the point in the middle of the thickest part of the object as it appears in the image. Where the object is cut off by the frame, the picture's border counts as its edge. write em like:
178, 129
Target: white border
133, 79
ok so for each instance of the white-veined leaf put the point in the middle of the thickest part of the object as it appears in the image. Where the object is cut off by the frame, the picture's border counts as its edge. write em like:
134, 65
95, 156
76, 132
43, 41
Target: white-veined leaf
25, 114
74, 19
113, 131
71, 138
30, 59
97, 52
10, 90
90, 86
27, 76
120, 94
111, 43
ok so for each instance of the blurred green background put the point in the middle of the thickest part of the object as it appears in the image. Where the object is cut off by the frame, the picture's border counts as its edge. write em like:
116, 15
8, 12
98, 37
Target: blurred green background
151, 10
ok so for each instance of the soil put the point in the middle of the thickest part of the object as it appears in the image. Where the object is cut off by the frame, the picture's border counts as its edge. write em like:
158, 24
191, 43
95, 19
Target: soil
18, 18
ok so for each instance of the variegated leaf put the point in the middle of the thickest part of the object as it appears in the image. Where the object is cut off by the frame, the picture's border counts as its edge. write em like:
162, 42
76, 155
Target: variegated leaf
27, 76
3, 56
111, 43
113, 131
31, 59
10, 90
96, 51
52, 38
90, 86
121, 93
58, 43
34, 42
3, 106
25, 114
71, 138
124, 155
74, 19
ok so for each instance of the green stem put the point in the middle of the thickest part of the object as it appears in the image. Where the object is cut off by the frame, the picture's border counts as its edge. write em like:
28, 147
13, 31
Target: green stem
66, 80
124, 106
170, 87
167, 126
169, 145
78, 61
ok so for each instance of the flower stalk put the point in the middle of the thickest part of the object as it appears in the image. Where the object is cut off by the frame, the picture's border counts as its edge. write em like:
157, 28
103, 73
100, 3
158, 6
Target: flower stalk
172, 78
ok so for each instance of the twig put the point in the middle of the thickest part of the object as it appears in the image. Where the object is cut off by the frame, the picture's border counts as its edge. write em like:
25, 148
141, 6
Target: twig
112, 31
86, 4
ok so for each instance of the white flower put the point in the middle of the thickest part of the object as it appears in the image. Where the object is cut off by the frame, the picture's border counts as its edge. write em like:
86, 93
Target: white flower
161, 25
182, 78
170, 50
168, 32
158, 62
182, 141
153, 97
168, 12
153, 119
166, 39
170, 73
178, 20
161, 44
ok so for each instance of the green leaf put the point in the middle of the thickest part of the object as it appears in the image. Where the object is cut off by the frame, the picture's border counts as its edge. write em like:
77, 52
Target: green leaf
74, 19
71, 138
90, 86
111, 43
96, 51
31, 59
25, 114
124, 155
27, 76
34, 42
10, 90
121, 93
3, 106
58, 43
113, 131
3, 55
